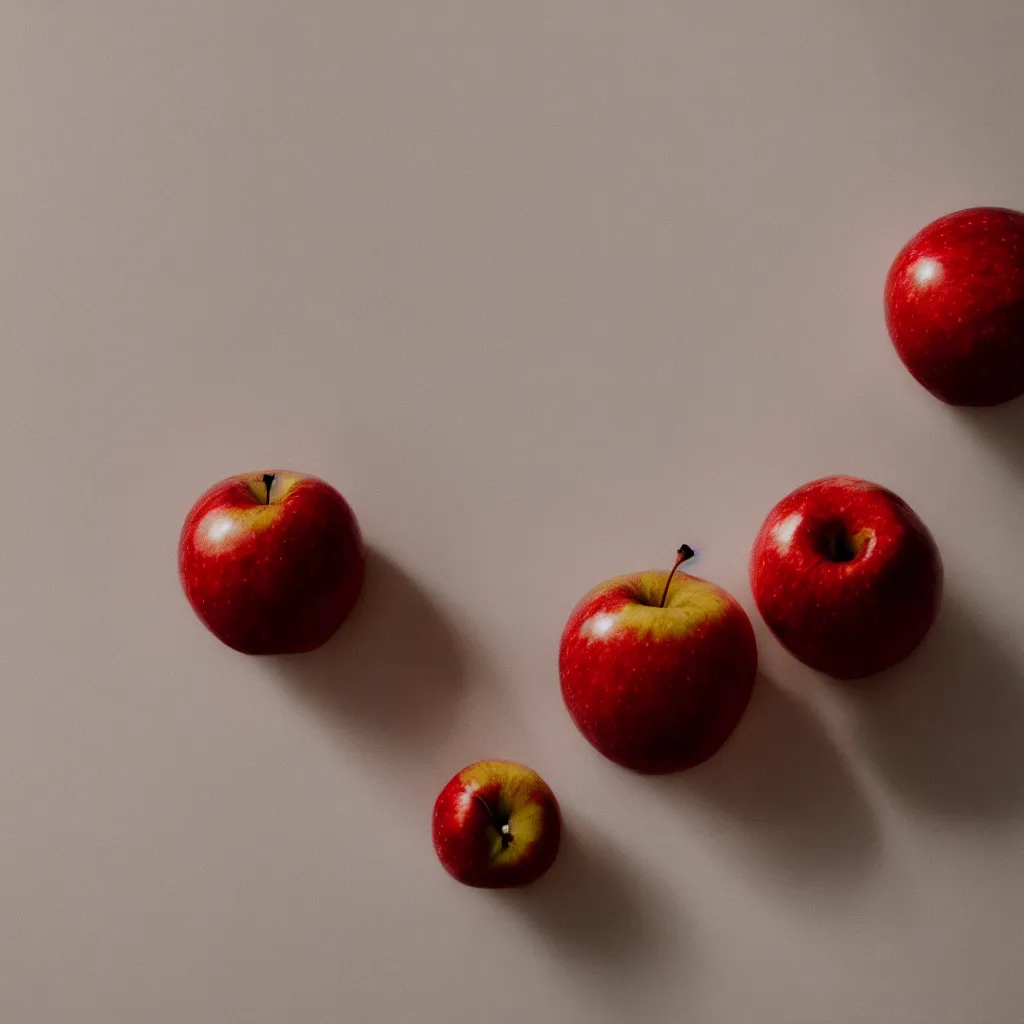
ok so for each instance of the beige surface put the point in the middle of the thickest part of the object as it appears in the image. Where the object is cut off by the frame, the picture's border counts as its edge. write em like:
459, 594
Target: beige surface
544, 289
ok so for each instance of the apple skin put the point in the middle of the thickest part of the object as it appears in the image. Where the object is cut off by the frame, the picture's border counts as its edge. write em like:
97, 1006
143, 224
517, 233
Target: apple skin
470, 812
954, 306
272, 570
846, 576
657, 690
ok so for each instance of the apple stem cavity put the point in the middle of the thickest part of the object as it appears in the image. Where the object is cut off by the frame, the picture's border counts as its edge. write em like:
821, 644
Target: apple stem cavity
836, 543
684, 554
501, 824
268, 480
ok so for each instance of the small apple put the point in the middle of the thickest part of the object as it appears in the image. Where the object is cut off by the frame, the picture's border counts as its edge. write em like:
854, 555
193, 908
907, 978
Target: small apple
954, 306
496, 825
846, 576
272, 562
657, 668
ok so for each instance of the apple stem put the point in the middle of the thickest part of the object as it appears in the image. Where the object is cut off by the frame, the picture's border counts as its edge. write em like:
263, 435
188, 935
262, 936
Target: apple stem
268, 479
502, 826
685, 553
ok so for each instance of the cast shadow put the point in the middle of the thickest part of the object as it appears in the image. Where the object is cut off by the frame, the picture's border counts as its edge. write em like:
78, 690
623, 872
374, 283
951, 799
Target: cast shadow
1001, 427
946, 727
788, 795
395, 669
594, 908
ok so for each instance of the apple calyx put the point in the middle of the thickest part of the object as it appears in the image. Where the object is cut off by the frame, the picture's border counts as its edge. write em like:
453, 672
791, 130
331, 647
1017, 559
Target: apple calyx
684, 554
268, 481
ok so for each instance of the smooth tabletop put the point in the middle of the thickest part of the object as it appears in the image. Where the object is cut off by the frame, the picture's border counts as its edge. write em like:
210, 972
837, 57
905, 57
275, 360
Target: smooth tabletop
544, 290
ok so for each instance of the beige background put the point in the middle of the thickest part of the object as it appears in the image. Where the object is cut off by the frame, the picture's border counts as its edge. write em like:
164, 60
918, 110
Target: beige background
544, 289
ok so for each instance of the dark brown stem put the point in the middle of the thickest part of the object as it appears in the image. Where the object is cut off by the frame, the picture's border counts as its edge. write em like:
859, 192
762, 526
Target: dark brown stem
268, 479
685, 553
500, 824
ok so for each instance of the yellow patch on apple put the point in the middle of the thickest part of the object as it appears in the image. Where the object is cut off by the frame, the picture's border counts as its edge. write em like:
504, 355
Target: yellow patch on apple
690, 602
513, 802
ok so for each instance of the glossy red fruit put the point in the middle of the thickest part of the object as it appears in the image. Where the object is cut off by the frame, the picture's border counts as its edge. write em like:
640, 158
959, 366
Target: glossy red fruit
496, 825
657, 689
846, 576
954, 306
272, 562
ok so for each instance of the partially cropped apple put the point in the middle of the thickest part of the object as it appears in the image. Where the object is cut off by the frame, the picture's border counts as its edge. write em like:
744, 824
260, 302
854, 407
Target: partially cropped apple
272, 562
954, 306
846, 576
657, 668
496, 825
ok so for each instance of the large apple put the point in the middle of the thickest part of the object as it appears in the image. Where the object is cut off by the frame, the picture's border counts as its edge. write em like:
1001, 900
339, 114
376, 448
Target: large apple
846, 576
954, 305
496, 825
657, 668
272, 562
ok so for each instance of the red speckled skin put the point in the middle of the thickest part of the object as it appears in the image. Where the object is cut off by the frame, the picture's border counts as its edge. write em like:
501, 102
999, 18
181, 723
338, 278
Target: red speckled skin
853, 618
661, 701
954, 306
283, 586
463, 825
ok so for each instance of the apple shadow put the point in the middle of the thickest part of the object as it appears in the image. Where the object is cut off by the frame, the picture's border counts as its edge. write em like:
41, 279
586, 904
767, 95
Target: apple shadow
787, 796
1001, 427
593, 907
946, 727
394, 670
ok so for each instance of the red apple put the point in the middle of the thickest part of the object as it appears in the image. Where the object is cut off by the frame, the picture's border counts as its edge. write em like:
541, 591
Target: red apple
846, 576
657, 668
272, 562
954, 305
496, 825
